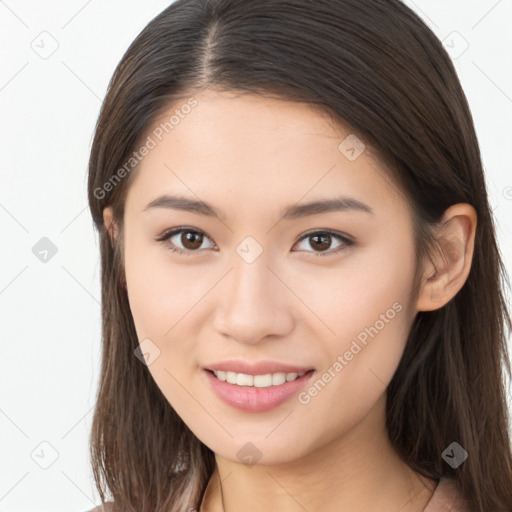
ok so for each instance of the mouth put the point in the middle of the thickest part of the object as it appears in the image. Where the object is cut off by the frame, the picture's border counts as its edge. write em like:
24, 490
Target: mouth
256, 393
258, 381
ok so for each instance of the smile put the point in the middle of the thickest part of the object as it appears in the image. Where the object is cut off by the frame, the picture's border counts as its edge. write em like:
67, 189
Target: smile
256, 393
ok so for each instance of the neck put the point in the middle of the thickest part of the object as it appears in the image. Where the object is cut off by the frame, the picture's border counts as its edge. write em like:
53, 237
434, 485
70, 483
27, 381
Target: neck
358, 471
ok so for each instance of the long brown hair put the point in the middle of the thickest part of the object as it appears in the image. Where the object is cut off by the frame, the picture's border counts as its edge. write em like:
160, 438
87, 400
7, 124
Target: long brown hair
376, 67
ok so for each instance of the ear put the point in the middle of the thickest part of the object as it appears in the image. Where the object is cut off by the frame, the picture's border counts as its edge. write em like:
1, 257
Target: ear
109, 223
446, 274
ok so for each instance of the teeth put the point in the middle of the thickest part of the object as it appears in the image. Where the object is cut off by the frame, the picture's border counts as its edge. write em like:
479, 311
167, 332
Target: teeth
258, 381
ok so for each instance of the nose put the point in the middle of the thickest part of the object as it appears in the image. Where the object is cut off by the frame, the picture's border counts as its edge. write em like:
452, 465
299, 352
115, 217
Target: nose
254, 302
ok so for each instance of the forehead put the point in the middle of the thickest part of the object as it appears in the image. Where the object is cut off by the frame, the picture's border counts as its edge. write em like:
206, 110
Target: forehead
250, 151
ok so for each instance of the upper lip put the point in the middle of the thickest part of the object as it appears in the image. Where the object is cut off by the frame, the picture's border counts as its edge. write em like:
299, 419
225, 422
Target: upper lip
257, 368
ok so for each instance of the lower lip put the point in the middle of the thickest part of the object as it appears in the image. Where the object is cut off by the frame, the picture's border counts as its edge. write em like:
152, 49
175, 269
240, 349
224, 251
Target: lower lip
253, 399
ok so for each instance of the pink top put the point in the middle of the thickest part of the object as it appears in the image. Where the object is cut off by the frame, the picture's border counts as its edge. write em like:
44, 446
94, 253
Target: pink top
447, 498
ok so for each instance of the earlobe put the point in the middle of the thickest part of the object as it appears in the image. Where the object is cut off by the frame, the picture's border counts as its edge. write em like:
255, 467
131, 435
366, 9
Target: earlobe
447, 273
109, 223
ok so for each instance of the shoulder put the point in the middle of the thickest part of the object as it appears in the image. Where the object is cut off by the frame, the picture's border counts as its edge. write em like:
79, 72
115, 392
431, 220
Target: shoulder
447, 497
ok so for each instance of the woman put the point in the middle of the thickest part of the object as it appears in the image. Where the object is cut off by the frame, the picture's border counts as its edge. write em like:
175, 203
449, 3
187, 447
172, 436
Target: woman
300, 275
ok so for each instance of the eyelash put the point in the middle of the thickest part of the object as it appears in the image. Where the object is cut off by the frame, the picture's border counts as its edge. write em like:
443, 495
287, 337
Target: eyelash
347, 242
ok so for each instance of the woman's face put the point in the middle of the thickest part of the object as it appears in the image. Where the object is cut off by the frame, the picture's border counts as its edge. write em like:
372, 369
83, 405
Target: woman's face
258, 285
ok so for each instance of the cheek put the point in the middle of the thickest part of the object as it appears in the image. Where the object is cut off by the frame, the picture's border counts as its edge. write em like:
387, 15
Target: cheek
370, 283
160, 292
360, 361
368, 312
150, 304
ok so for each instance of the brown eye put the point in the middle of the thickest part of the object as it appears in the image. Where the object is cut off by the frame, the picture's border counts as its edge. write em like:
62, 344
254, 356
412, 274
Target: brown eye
184, 240
321, 241
191, 239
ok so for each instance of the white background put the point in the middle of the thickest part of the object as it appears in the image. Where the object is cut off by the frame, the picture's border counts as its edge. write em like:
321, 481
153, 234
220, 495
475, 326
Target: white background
50, 324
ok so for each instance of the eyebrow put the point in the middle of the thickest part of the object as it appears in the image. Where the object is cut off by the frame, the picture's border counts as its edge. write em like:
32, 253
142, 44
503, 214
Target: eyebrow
340, 204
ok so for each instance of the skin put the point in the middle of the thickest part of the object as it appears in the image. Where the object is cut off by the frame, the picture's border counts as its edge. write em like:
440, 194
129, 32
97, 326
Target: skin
250, 157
